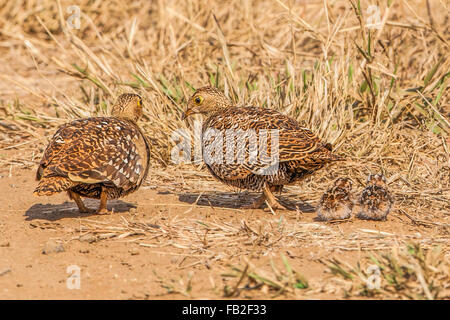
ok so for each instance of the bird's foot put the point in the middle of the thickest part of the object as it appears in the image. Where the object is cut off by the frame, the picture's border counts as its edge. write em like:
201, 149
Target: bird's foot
253, 205
103, 211
276, 206
87, 210
257, 204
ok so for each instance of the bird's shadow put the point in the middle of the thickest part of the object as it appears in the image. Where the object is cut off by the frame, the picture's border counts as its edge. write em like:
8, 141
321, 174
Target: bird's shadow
235, 200
53, 212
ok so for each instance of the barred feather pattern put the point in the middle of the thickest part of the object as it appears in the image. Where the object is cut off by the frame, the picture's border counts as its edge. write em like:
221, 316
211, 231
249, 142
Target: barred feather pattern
88, 154
300, 152
53, 185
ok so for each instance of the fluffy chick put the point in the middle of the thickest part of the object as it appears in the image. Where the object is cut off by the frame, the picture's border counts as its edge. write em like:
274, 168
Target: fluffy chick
336, 203
375, 201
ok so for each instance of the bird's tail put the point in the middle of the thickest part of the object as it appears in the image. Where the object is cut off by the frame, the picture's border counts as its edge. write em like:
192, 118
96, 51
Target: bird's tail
50, 185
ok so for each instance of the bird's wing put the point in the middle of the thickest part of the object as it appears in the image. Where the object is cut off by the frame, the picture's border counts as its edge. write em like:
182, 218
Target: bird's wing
249, 137
304, 146
96, 150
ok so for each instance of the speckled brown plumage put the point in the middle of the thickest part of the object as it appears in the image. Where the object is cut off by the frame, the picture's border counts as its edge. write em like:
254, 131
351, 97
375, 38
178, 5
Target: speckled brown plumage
375, 201
300, 152
100, 157
336, 203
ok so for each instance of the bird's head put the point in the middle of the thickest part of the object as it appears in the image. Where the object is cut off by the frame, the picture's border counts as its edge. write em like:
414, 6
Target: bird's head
376, 180
343, 183
206, 100
128, 106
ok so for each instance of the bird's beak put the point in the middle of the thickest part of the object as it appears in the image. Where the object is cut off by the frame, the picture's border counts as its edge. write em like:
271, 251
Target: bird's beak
187, 113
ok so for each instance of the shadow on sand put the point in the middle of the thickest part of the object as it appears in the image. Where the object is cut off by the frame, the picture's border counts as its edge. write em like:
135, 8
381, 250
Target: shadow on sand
235, 200
69, 209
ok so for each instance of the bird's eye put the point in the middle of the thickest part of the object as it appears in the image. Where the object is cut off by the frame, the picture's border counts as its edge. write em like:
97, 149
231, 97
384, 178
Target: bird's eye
139, 103
198, 100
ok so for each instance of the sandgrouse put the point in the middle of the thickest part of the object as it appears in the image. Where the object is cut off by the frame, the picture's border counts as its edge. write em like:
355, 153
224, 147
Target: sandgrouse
99, 157
336, 203
255, 148
375, 201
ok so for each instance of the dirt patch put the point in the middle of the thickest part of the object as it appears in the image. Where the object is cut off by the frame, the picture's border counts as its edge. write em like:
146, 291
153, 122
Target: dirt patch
158, 245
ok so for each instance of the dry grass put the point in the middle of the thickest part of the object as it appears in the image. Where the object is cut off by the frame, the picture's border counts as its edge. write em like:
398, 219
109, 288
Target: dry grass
407, 273
380, 96
209, 242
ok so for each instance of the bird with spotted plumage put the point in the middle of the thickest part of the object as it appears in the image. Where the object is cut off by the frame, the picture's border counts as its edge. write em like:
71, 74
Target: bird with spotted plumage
375, 201
336, 203
99, 157
296, 150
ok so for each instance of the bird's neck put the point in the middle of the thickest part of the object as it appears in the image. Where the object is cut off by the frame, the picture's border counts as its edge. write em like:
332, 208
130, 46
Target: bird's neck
126, 117
218, 107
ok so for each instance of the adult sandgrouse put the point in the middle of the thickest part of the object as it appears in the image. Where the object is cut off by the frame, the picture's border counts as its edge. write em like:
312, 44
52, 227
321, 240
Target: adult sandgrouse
272, 149
375, 201
336, 203
101, 157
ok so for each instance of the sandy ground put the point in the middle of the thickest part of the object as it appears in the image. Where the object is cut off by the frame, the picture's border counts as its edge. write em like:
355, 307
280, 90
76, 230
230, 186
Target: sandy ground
180, 259
178, 236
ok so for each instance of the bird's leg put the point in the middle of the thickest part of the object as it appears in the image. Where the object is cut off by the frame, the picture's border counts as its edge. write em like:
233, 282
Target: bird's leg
271, 200
278, 189
103, 200
257, 203
76, 197
267, 195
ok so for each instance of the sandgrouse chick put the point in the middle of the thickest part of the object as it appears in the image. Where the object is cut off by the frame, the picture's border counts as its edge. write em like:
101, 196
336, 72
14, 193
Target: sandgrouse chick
375, 201
100, 157
336, 203
255, 148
